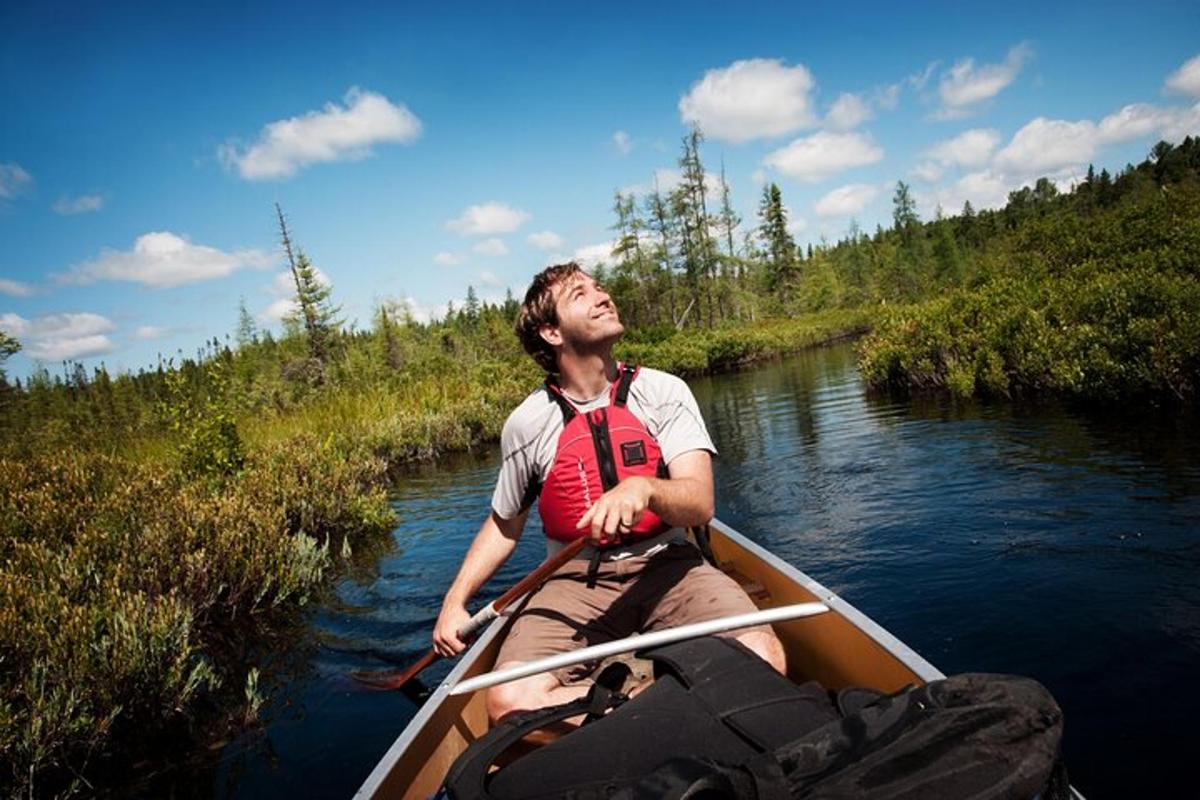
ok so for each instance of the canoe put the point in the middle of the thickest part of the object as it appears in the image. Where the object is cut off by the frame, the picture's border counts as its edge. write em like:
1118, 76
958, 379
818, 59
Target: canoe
841, 648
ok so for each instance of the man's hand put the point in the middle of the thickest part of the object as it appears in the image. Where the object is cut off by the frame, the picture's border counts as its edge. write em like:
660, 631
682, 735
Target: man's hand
445, 634
617, 510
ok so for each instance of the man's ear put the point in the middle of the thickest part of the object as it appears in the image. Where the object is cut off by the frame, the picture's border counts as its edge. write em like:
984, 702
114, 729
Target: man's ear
551, 335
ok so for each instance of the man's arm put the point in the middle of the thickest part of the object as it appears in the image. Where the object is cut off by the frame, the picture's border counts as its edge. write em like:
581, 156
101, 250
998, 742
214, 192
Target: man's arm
686, 499
495, 542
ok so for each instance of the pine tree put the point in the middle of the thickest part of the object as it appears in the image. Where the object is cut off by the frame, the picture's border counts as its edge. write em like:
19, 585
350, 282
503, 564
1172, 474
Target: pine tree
904, 209
729, 218
8, 347
314, 307
781, 249
247, 331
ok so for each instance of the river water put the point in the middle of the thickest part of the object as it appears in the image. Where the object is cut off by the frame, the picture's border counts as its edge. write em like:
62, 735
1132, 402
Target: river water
1032, 539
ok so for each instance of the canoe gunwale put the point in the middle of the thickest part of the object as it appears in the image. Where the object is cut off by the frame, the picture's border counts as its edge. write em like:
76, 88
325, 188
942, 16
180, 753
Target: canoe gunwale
433, 704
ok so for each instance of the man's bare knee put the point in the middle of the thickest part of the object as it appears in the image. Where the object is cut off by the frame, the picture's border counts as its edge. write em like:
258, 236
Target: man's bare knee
767, 647
522, 695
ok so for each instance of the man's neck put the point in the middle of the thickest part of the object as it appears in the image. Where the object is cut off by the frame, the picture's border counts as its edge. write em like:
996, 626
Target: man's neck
585, 375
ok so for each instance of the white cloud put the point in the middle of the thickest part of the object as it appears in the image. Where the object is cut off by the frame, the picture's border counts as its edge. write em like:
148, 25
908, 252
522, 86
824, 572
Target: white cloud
162, 259
491, 247
446, 259
489, 278
752, 99
335, 133
848, 111
928, 172
56, 337
846, 201
279, 309
888, 97
1186, 79
971, 148
918, 79
15, 288
593, 255
1044, 145
964, 86
78, 205
13, 180
814, 158
622, 142
795, 224
545, 240
1182, 122
14, 324
487, 219
149, 332
1142, 119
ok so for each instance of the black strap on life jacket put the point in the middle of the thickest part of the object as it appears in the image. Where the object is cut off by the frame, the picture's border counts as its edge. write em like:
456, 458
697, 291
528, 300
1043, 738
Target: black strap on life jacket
627, 373
556, 394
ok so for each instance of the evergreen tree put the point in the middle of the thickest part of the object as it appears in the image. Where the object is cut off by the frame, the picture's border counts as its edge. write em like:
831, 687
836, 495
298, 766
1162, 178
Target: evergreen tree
773, 229
8, 347
314, 306
471, 308
904, 209
247, 331
729, 219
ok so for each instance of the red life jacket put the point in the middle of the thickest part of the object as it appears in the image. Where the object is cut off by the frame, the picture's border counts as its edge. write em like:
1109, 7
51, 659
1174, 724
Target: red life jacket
596, 451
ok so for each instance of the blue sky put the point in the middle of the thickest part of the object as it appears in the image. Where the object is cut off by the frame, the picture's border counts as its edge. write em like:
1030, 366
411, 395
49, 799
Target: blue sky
421, 149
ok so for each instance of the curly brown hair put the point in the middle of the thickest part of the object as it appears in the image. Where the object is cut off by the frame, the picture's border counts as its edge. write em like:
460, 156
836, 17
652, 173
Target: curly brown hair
538, 309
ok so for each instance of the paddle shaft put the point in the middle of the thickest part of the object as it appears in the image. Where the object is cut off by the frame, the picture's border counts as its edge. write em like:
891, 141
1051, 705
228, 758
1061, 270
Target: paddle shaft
483, 616
640, 642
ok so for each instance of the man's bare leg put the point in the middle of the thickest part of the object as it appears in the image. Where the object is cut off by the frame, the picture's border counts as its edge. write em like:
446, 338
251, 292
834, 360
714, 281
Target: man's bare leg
767, 647
526, 694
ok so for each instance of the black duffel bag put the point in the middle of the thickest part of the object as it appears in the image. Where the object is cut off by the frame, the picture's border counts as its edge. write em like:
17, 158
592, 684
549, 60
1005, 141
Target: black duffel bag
720, 723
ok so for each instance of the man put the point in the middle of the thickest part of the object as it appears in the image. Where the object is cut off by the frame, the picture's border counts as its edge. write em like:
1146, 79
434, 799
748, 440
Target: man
620, 456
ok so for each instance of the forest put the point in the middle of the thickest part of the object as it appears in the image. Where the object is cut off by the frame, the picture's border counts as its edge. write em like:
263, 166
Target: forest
155, 525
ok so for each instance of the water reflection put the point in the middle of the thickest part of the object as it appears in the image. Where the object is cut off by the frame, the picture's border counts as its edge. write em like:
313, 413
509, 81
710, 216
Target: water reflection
1027, 538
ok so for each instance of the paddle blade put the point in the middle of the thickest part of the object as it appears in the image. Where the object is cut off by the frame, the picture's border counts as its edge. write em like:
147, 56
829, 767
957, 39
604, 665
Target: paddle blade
390, 680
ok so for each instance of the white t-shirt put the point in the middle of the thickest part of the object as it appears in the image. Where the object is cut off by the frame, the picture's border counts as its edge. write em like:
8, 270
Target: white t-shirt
528, 443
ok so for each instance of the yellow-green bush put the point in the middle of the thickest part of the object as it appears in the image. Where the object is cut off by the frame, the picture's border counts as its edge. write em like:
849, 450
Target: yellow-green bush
117, 580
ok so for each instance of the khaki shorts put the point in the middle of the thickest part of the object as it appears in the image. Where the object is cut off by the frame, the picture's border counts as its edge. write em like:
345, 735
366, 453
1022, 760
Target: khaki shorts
672, 587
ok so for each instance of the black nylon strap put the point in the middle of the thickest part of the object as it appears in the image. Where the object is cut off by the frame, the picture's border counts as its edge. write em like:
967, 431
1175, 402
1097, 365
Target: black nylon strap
467, 778
593, 568
623, 382
552, 389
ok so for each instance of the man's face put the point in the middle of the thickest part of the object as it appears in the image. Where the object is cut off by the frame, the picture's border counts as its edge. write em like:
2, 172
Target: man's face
586, 314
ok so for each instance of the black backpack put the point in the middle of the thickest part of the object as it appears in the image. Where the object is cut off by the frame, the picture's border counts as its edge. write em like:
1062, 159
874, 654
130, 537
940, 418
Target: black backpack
718, 722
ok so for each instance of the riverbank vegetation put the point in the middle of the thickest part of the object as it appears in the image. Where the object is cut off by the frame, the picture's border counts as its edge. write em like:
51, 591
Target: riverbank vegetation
151, 523
1093, 294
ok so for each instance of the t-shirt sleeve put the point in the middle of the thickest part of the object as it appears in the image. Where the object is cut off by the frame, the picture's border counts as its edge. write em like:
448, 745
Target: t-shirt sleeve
516, 470
681, 428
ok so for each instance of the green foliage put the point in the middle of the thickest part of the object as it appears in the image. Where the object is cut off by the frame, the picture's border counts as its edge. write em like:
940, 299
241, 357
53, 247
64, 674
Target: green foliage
699, 352
201, 419
1100, 305
120, 582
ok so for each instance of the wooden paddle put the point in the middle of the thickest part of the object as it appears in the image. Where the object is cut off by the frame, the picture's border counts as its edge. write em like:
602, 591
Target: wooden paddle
395, 680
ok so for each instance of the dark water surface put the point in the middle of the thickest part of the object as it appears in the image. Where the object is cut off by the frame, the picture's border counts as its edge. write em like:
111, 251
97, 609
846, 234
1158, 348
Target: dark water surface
1029, 539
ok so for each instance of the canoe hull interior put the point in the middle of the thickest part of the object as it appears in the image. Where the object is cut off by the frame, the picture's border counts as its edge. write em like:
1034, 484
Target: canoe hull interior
840, 648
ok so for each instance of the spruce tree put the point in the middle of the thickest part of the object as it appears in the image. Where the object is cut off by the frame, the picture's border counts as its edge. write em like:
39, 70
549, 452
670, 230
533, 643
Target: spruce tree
781, 249
314, 306
247, 331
